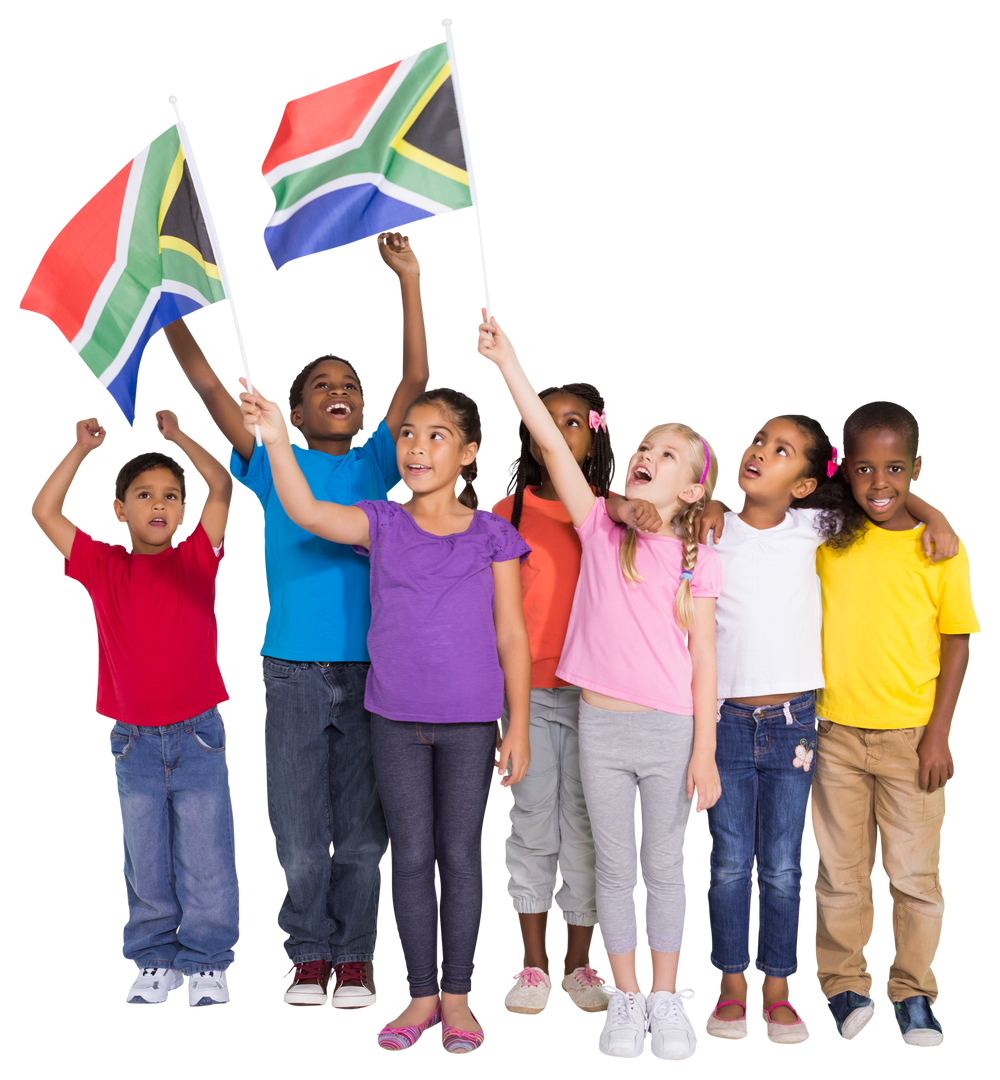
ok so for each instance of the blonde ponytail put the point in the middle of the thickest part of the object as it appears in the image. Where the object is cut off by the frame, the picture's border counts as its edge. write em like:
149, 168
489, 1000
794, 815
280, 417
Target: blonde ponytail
683, 600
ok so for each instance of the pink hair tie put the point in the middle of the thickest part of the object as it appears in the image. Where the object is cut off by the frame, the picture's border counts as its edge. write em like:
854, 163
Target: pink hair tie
831, 465
598, 420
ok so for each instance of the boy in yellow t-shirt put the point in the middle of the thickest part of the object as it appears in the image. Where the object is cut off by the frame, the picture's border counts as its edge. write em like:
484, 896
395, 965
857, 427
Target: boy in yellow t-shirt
896, 627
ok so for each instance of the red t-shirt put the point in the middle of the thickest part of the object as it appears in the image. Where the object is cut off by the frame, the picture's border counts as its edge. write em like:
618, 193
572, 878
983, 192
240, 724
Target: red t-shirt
155, 628
548, 579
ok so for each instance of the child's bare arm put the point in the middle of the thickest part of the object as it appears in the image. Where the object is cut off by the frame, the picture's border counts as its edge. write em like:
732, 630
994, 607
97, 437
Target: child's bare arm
712, 518
939, 538
936, 766
215, 512
636, 513
399, 257
48, 504
219, 402
342, 524
571, 486
703, 774
515, 662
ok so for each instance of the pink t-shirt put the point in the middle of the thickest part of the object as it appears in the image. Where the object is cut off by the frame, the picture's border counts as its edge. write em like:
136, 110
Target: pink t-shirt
623, 640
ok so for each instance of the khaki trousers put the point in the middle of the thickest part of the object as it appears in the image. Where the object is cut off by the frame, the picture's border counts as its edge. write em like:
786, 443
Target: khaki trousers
868, 780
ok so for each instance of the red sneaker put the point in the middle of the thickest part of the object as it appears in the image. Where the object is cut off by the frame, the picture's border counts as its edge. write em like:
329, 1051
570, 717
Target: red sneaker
309, 985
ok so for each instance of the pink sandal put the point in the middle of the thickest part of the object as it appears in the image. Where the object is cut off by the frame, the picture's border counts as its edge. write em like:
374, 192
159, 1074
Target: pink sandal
392, 1038
727, 1029
460, 1042
793, 1032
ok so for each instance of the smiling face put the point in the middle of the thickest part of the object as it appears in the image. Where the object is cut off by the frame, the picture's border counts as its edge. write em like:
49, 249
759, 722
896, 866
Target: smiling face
571, 415
773, 466
430, 451
332, 407
880, 470
662, 472
152, 508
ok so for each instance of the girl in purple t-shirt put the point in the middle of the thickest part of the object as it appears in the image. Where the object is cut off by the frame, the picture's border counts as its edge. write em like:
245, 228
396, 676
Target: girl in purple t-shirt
447, 643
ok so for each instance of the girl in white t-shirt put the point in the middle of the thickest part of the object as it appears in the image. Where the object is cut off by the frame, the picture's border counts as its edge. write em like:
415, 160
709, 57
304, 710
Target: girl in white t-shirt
769, 666
641, 645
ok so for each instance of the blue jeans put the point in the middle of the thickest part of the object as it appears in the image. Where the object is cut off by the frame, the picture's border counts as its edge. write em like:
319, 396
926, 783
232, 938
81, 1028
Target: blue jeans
321, 790
435, 779
766, 758
180, 865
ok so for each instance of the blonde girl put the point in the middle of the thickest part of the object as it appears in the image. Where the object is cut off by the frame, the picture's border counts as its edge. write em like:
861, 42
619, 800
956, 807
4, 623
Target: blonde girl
641, 645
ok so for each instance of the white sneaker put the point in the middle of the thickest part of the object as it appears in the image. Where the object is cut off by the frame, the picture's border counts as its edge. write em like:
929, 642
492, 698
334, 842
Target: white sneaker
208, 988
152, 985
671, 1035
530, 993
625, 1026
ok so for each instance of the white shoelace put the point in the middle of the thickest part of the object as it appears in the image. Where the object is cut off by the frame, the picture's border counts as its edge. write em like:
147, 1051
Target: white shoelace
626, 1009
669, 1008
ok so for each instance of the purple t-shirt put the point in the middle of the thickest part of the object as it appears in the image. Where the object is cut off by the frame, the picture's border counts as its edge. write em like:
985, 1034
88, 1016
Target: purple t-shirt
432, 641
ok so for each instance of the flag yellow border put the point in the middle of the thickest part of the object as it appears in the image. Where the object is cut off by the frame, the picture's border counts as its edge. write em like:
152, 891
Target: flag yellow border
421, 157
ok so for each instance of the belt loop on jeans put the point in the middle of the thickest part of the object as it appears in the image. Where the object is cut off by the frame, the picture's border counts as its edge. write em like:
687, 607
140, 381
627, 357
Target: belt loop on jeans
719, 702
787, 710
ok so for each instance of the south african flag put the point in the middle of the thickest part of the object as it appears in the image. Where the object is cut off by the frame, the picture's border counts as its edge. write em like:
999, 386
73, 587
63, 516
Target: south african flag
134, 259
366, 155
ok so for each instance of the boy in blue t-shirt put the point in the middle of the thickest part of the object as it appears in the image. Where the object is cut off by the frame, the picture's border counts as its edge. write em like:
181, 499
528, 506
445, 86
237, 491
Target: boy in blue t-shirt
320, 779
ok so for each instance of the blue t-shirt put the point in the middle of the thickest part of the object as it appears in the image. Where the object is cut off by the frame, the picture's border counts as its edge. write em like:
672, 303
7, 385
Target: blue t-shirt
318, 590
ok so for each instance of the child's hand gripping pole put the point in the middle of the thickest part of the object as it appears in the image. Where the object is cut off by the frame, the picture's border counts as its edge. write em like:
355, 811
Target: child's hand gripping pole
262, 417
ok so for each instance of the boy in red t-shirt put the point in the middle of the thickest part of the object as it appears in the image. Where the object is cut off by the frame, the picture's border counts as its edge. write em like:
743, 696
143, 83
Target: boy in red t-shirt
159, 681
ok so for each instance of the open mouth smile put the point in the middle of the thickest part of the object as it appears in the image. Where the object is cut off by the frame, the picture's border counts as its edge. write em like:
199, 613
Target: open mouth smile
881, 504
339, 409
641, 475
158, 522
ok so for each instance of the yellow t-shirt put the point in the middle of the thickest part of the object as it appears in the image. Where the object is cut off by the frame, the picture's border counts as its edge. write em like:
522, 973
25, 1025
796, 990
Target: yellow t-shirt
885, 607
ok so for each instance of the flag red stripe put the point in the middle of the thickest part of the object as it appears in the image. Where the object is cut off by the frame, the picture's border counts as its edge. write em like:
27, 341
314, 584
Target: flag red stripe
325, 118
78, 260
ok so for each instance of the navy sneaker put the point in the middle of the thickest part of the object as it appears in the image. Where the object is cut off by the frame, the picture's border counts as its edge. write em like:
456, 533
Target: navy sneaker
917, 1024
851, 1011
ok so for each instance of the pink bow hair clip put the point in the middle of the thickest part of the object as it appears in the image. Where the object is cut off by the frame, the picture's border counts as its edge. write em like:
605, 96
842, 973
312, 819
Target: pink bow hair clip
598, 420
831, 465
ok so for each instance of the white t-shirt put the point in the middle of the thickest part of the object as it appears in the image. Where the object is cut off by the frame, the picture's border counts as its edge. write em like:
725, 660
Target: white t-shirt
769, 615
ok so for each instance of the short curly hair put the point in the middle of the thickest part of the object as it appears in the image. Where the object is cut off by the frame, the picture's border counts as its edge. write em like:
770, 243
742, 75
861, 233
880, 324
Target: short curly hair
143, 463
299, 383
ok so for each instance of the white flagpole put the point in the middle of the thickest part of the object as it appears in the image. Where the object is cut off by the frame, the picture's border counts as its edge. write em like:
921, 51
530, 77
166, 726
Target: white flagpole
446, 23
216, 249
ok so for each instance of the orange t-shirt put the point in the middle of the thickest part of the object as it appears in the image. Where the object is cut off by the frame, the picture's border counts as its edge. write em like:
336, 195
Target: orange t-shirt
548, 579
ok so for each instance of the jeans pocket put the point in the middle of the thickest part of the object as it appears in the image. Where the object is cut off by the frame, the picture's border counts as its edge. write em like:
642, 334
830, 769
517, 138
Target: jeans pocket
121, 745
209, 734
824, 727
276, 669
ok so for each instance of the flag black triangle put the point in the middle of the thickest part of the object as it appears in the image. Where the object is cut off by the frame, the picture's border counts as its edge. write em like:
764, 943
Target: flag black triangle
436, 130
184, 219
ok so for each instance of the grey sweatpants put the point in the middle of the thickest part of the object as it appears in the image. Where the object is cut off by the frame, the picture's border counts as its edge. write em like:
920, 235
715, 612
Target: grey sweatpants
619, 752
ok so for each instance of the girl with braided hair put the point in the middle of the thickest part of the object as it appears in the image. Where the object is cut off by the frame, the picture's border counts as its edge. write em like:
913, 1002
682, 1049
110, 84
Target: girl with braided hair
641, 645
550, 828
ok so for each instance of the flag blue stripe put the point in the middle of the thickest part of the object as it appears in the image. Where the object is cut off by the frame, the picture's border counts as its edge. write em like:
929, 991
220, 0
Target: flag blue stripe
169, 307
339, 217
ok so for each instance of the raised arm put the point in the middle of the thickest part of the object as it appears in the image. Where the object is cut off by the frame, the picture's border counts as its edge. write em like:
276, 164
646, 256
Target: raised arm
219, 402
939, 538
398, 256
215, 513
342, 524
571, 486
48, 504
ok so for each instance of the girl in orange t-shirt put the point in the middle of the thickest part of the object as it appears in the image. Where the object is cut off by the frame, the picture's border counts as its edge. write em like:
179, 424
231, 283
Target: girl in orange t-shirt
549, 822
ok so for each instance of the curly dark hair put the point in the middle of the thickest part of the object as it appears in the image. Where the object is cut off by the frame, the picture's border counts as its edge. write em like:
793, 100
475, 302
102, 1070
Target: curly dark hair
464, 411
841, 511
598, 468
819, 452
299, 382
143, 463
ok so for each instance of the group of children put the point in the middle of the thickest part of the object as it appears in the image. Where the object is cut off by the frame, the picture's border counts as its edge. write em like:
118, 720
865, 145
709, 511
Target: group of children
649, 641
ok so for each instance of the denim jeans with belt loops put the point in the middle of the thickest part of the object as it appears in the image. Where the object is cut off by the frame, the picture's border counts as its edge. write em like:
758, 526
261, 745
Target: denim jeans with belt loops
766, 758
180, 865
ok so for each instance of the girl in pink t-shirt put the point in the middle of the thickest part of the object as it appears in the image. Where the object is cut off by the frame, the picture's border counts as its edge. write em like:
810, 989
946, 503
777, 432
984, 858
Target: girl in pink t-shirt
641, 644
